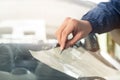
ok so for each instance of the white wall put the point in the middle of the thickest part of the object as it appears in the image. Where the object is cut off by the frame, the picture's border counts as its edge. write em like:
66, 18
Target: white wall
53, 11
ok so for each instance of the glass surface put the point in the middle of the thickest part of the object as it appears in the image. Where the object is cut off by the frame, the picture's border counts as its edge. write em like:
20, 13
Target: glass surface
18, 64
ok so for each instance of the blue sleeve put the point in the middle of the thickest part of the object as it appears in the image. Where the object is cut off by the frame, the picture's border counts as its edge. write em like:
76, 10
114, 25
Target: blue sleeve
104, 17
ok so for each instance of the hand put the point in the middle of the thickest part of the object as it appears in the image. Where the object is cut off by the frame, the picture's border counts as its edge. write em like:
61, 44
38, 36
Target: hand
79, 29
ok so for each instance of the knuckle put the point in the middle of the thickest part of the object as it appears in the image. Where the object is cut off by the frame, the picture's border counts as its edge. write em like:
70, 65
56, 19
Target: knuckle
71, 43
74, 21
68, 18
64, 33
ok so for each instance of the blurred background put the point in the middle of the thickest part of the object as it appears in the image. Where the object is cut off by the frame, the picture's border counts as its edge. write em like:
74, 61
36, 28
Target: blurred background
33, 21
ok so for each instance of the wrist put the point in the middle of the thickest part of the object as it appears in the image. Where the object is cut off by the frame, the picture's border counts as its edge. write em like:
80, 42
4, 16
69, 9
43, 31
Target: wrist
87, 25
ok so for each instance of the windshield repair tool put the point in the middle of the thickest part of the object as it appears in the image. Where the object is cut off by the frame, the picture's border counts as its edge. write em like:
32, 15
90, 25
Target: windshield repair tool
58, 45
61, 51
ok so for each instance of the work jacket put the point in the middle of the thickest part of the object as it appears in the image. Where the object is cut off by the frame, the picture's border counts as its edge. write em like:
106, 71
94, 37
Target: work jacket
104, 17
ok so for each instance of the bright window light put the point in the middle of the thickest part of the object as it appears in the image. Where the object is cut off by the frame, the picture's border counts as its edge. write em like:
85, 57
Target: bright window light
98, 1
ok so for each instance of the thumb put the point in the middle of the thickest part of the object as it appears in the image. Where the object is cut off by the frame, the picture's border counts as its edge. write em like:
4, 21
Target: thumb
73, 40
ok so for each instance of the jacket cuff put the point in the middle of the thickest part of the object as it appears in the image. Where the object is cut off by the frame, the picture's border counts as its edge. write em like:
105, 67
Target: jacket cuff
94, 25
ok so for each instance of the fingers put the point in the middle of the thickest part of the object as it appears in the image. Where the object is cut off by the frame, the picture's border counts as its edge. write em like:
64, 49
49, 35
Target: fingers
67, 30
74, 40
79, 29
82, 30
60, 32
64, 37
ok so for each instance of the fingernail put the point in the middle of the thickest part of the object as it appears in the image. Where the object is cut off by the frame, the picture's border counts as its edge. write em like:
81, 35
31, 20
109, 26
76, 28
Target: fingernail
61, 47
